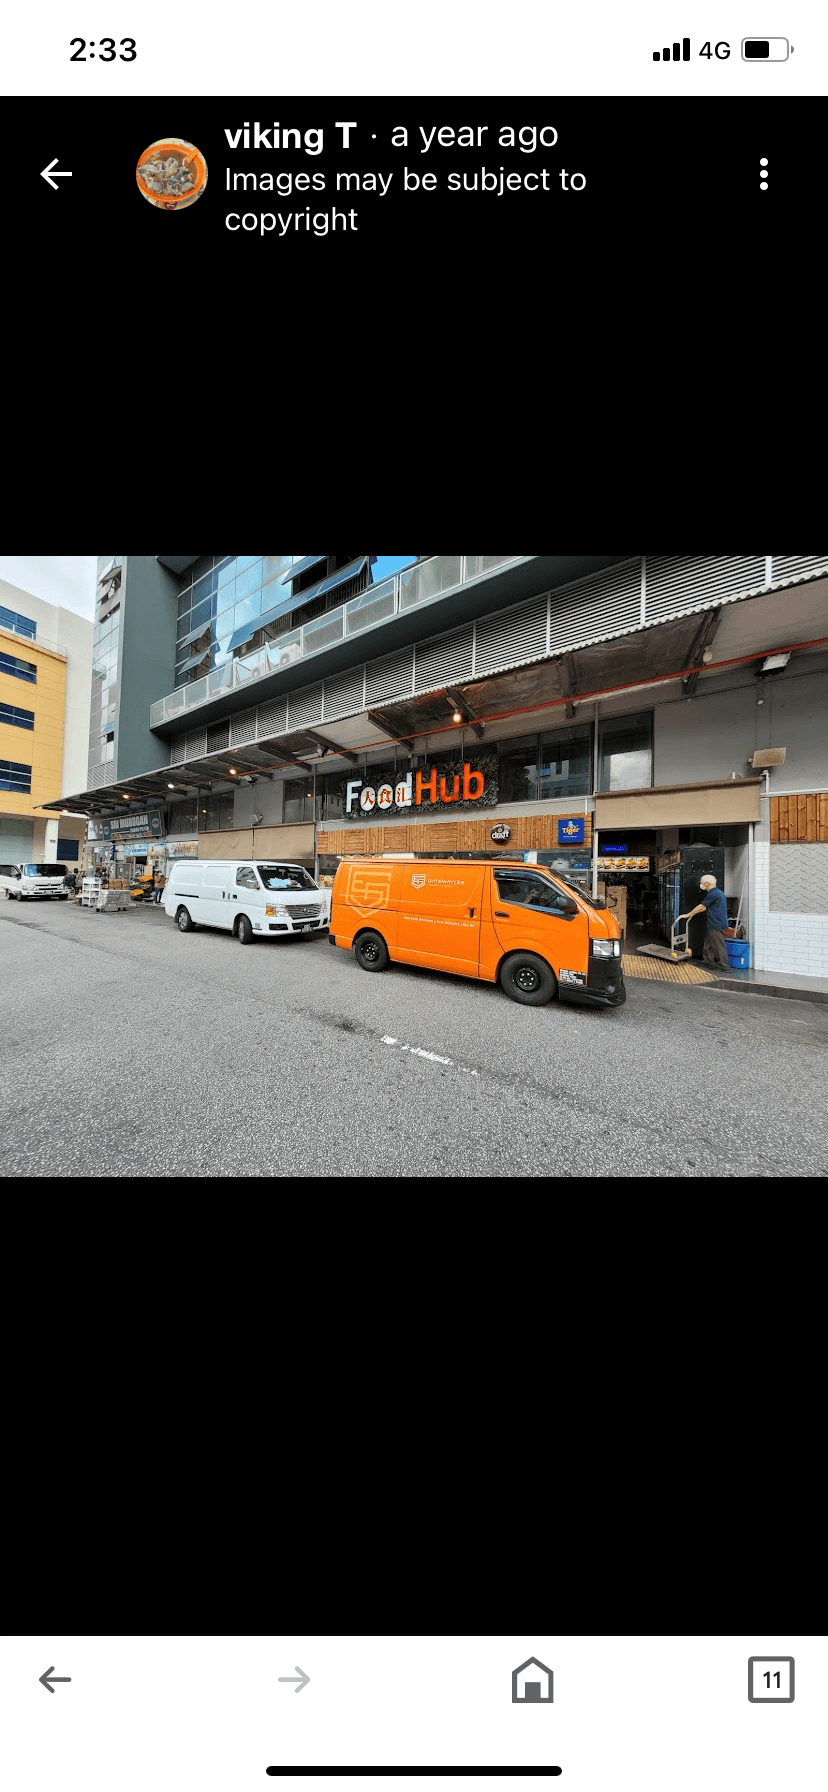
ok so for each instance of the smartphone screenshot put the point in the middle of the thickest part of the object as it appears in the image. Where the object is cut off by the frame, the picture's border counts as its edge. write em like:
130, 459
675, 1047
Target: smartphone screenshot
414, 1713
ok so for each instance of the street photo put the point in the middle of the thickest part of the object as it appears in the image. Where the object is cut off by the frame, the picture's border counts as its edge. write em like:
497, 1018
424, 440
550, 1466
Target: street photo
426, 865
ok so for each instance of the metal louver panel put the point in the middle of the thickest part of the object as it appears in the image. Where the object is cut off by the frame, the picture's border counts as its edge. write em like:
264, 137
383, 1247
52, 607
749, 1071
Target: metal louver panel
519, 634
608, 603
109, 773
218, 737
243, 728
178, 750
343, 695
676, 585
305, 707
98, 776
441, 661
272, 718
792, 566
390, 677
196, 743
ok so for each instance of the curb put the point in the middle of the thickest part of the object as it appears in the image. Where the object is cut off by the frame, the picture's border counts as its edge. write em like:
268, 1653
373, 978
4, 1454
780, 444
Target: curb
769, 989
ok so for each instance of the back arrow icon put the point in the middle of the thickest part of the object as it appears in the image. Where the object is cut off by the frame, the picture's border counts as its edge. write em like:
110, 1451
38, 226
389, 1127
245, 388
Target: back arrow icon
46, 1679
303, 1678
61, 173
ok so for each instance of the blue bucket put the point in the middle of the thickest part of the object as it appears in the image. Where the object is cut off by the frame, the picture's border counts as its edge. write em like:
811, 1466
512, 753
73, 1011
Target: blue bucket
738, 952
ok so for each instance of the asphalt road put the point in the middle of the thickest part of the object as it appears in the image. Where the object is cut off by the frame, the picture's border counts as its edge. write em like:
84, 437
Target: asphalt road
130, 1048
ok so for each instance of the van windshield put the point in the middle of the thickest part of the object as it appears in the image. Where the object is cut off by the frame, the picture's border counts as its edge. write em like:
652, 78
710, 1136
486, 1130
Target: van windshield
44, 870
285, 877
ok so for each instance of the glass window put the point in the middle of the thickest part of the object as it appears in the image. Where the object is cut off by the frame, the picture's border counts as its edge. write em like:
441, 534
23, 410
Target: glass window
17, 718
44, 870
298, 799
224, 572
14, 776
246, 877
20, 624
246, 560
216, 812
566, 763
518, 770
274, 566
332, 804
182, 817
225, 602
18, 668
202, 590
528, 890
184, 602
626, 752
286, 877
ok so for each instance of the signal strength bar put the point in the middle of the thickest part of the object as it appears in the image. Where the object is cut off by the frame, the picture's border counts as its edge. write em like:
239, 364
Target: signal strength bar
681, 52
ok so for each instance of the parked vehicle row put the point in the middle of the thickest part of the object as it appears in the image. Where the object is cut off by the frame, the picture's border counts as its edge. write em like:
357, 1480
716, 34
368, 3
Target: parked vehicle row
520, 925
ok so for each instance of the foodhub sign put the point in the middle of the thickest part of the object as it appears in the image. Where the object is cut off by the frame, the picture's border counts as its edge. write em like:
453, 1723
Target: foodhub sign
370, 799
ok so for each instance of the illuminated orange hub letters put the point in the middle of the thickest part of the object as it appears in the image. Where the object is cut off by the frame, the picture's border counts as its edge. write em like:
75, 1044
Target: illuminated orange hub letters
472, 786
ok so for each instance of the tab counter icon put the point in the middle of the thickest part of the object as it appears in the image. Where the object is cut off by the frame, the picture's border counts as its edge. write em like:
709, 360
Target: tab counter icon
532, 1683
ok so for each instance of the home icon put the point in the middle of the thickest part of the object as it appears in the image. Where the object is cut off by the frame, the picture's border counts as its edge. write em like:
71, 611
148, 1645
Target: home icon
532, 1683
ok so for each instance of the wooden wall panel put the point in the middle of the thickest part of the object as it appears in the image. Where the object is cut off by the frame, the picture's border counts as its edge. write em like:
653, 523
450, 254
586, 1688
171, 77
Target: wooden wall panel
464, 833
800, 817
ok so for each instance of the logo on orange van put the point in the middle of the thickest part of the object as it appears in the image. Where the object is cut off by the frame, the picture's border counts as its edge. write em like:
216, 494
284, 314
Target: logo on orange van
429, 786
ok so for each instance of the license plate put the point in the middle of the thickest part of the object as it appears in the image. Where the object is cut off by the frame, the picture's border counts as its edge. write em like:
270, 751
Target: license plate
306, 927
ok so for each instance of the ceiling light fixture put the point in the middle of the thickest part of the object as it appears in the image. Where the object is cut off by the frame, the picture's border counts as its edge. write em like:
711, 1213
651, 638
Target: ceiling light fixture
457, 716
170, 786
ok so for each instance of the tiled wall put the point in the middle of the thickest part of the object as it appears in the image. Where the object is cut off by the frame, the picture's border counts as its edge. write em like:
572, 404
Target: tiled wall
789, 940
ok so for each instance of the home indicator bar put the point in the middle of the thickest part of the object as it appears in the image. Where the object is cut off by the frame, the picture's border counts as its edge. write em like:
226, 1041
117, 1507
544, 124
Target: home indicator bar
681, 53
401, 1773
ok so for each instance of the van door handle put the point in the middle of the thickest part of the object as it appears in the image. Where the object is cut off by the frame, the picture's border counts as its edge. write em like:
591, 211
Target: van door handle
471, 911
235, 898
502, 914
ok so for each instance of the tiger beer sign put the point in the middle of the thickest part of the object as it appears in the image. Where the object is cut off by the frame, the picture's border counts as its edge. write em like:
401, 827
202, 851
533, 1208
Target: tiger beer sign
370, 799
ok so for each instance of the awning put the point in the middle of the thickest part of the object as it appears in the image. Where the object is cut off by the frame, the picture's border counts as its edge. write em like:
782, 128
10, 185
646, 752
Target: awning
301, 566
680, 805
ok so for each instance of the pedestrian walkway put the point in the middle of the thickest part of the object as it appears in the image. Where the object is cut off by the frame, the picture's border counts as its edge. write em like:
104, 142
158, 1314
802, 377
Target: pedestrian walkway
686, 972
774, 983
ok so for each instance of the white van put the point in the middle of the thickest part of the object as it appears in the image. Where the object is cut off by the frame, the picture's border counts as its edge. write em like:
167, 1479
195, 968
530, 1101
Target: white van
246, 896
34, 881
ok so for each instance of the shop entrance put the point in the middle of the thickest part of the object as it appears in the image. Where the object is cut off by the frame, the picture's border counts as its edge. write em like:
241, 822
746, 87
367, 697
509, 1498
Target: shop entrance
650, 876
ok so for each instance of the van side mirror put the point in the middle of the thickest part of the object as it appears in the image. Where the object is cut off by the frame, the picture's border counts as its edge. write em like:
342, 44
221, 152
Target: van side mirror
566, 905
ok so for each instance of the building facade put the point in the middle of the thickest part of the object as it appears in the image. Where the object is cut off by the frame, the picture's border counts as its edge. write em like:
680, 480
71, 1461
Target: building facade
604, 714
45, 669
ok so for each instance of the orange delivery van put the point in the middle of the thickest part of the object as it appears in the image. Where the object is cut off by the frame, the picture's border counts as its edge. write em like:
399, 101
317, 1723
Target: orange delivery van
499, 921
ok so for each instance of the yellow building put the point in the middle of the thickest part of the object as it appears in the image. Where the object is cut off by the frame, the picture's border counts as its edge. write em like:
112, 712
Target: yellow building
41, 647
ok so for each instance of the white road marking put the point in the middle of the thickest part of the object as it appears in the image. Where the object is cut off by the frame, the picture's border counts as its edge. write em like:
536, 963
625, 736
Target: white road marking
417, 1051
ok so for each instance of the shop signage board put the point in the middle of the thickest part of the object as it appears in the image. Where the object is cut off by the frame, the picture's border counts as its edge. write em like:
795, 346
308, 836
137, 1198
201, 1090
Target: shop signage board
571, 830
436, 787
501, 832
140, 824
617, 862
182, 849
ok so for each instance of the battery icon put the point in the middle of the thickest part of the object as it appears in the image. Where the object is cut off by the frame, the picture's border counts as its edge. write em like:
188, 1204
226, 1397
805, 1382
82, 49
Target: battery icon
765, 49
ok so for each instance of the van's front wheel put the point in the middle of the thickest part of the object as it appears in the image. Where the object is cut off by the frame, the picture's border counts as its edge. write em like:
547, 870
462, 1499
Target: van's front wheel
371, 952
184, 921
244, 931
527, 979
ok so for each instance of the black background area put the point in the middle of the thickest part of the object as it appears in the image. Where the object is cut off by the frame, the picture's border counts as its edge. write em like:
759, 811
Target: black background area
663, 312
676, 177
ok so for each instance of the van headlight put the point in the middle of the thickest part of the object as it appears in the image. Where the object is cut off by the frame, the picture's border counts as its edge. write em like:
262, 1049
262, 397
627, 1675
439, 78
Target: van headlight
272, 909
606, 948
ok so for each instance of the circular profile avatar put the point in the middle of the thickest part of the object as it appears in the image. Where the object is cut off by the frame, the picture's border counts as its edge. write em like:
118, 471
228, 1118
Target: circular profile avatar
172, 173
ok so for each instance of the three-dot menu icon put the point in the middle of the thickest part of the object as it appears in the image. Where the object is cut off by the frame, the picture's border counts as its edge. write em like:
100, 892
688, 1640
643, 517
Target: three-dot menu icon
763, 173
